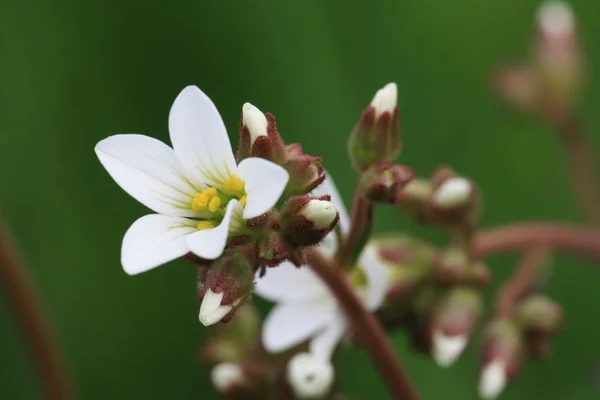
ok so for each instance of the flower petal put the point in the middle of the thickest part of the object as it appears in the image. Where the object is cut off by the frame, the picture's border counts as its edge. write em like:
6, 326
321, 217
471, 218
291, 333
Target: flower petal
200, 139
376, 273
287, 283
323, 344
210, 243
148, 170
264, 183
290, 324
153, 240
328, 188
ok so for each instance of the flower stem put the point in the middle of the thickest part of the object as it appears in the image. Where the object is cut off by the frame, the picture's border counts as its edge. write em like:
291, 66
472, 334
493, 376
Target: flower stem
361, 221
365, 326
29, 313
523, 235
523, 280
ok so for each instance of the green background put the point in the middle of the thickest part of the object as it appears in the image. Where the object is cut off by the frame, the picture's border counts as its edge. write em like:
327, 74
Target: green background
74, 72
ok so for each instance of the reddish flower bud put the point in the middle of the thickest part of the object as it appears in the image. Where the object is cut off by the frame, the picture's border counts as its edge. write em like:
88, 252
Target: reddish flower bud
539, 314
519, 87
306, 220
376, 136
381, 183
259, 136
229, 283
451, 323
452, 267
238, 381
306, 171
453, 201
309, 377
272, 249
413, 198
503, 355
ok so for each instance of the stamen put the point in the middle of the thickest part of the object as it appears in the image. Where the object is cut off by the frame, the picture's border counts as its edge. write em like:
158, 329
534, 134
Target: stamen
199, 202
243, 201
202, 225
358, 277
210, 192
233, 186
214, 204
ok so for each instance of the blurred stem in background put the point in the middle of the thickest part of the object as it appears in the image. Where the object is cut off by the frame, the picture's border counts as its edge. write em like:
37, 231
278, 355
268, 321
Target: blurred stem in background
31, 316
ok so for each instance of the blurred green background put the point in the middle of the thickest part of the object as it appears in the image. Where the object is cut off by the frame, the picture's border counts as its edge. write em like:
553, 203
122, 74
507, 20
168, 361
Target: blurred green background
74, 72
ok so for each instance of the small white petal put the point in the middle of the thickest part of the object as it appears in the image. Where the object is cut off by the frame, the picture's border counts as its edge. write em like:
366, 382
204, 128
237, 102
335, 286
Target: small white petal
385, 99
264, 183
452, 193
377, 277
211, 310
309, 377
447, 349
210, 243
153, 240
289, 283
325, 342
200, 139
556, 18
328, 188
255, 120
493, 380
148, 170
288, 325
225, 376
320, 212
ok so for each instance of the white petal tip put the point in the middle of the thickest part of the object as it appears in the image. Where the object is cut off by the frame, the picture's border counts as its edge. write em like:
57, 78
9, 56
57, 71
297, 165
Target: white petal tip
493, 380
452, 193
556, 18
385, 99
447, 349
211, 310
226, 376
309, 376
255, 121
321, 213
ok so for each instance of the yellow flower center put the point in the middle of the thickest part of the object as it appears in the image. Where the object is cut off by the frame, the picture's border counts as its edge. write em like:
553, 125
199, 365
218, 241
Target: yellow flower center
214, 202
358, 278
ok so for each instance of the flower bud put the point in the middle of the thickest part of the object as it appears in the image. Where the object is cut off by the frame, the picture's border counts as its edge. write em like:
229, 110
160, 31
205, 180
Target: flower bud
503, 354
306, 172
519, 87
381, 183
272, 249
309, 377
452, 267
376, 136
453, 202
306, 220
227, 377
259, 136
229, 282
413, 197
539, 314
451, 323
238, 381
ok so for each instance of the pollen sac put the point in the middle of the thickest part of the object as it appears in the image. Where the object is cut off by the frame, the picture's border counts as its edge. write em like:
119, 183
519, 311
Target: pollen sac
229, 282
259, 136
376, 136
306, 171
306, 220
382, 182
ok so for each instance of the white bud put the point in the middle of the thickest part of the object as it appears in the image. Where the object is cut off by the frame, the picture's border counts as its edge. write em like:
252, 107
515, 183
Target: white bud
255, 120
321, 213
447, 349
493, 380
452, 193
309, 376
226, 376
211, 310
555, 18
385, 99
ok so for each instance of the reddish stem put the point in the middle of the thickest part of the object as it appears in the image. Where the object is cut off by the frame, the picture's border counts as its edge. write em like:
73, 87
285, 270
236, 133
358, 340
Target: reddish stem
365, 326
524, 235
522, 281
361, 219
29, 312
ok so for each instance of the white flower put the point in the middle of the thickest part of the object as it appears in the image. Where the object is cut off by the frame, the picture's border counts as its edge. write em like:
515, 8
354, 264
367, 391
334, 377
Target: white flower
200, 195
493, 380
452, 193
255, 120
306, 309
226, 376
211, 310
309, 377
446, 349
385, 99
321, 213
